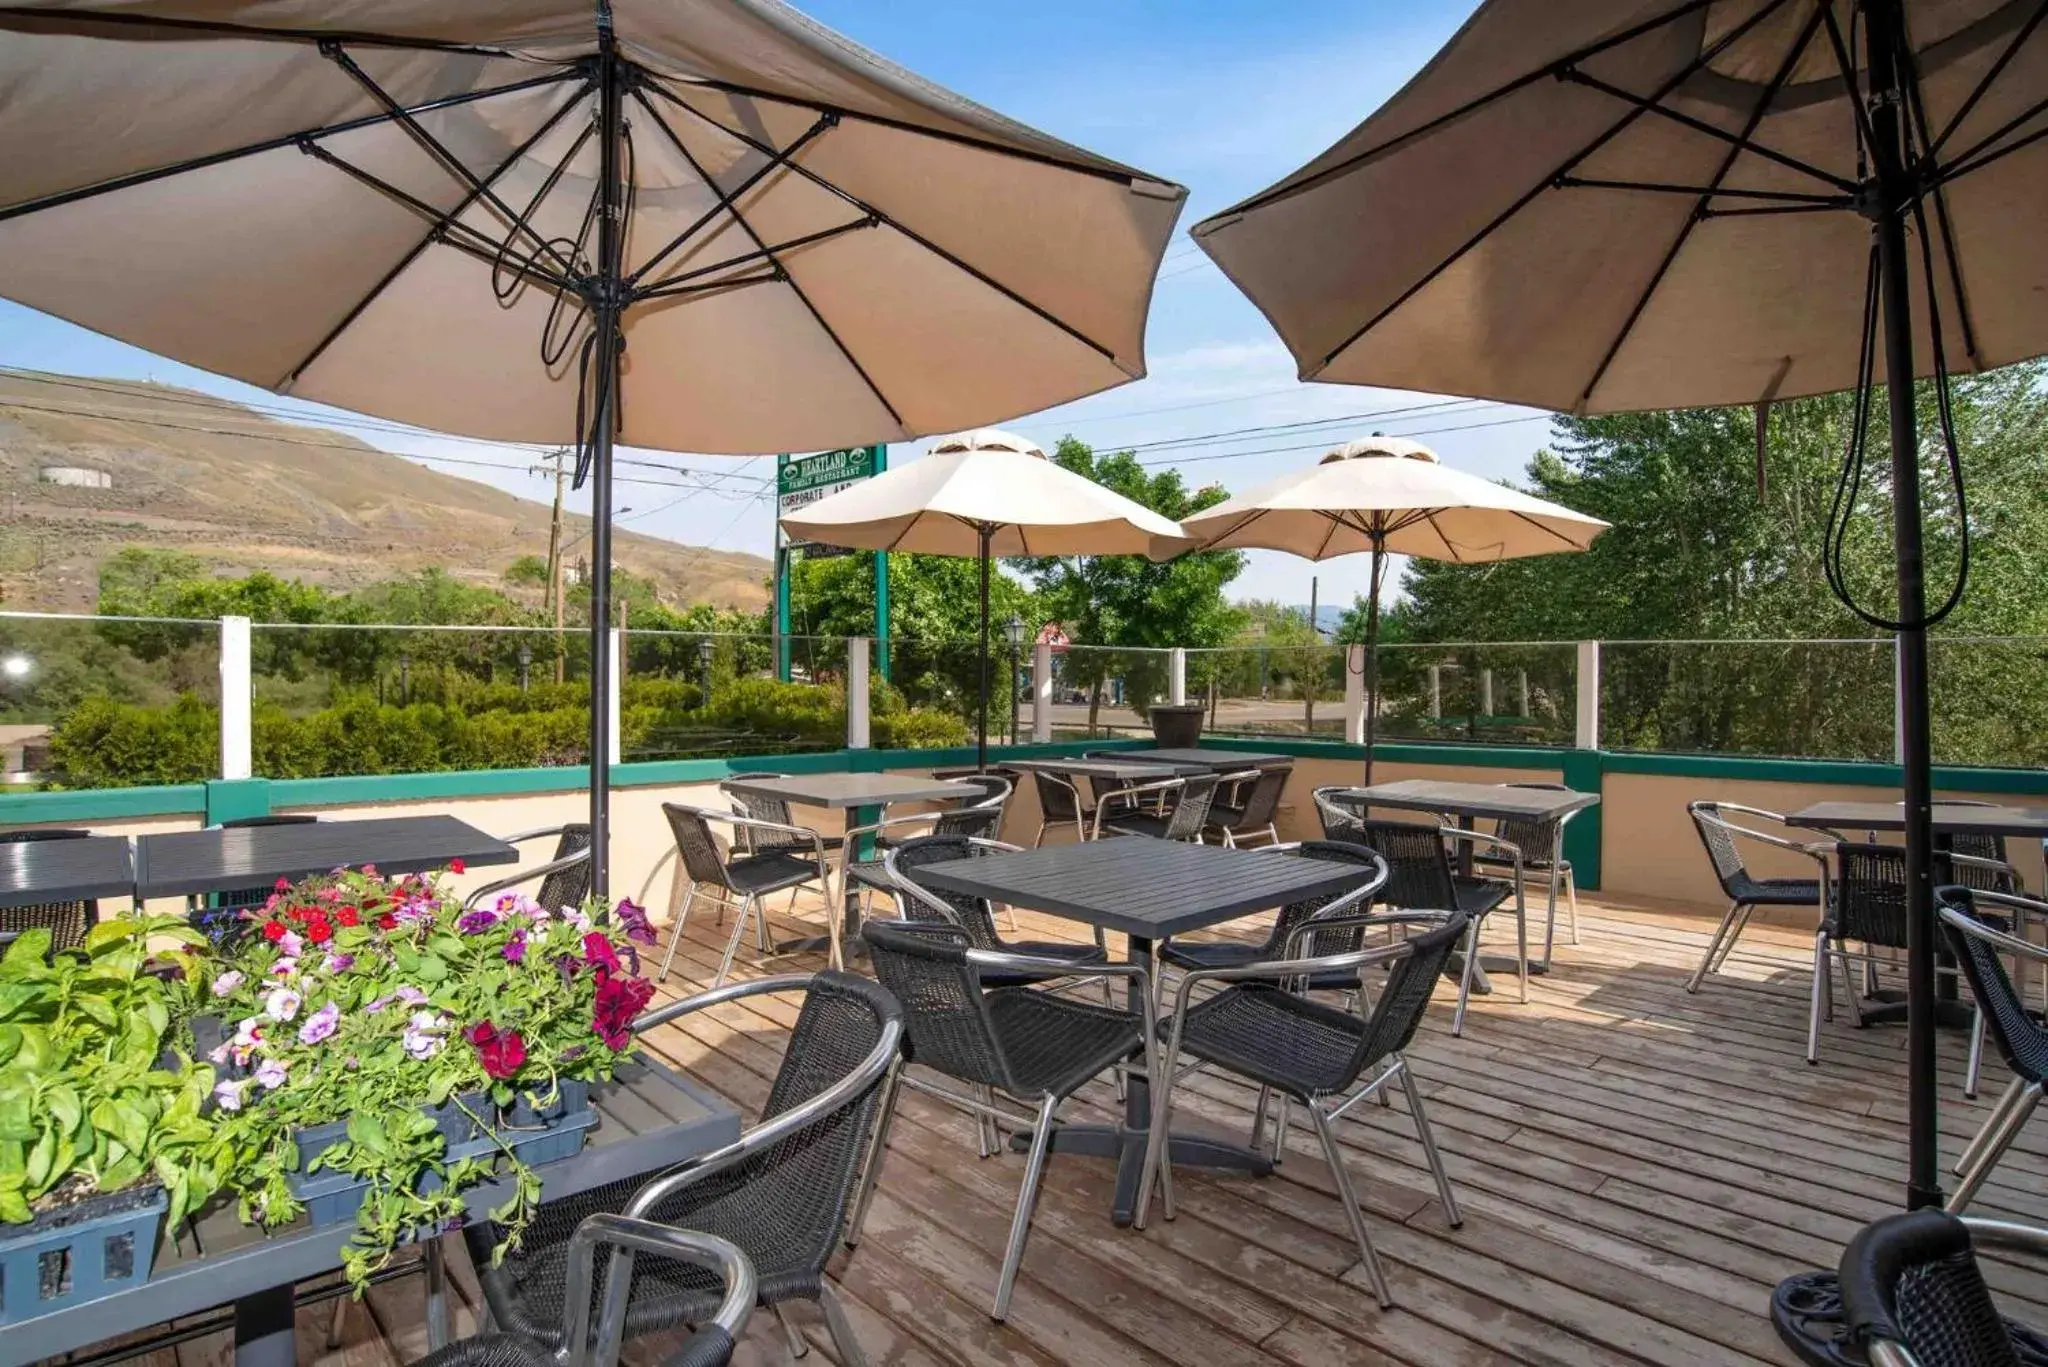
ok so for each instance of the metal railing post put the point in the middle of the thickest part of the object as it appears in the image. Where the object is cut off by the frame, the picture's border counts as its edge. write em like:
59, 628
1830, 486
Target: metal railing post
1041, 692
614, 644
237, 731
1354, 695
1588, 690
1177, 675
857, 692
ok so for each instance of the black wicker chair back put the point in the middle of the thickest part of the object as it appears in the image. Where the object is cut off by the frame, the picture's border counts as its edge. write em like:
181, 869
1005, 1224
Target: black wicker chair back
696, 846
2019, 1036
1190, 814
1343, 939
1342, 812
994, 788
1262, 804
970, 914
67, 922
568, 887
784, 1204
1870, 894
1534, 836
945, 1015
1410, 982
1057, 798
1912, 1280
1729, 868
976, 822
773, 809
1418, 866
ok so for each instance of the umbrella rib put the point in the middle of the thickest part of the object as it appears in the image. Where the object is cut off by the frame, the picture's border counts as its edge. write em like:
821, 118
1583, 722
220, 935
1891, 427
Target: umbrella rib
1120, 177
725, 199
1692, 220
671, 285
1983, 87
281, 141
1650, 105
1709, 191
433, 232
781, 271
1473, 105
934, 248
1917, 108
1528, 196
256, 33
436, 149
460, 236
1569, 543
1963, 166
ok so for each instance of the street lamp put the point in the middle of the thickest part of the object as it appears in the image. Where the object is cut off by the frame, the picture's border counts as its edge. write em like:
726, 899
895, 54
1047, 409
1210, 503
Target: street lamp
1014, 630
706, 648
525, 664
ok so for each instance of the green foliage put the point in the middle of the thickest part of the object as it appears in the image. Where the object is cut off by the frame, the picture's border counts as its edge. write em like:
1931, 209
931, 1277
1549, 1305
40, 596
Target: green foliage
528, 570
90, 1102
107, 744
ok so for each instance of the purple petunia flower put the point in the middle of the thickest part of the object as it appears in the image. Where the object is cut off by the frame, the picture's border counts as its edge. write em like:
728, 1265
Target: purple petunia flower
227, 982
475, 922
425, 1034
281, 1004
271, 1074
515, 949
228, 1095
290, 945
320, 1024
338, 963
410, 995
633, 917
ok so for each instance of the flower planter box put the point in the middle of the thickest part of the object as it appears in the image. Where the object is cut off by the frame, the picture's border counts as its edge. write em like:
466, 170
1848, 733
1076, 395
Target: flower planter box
334, 1198
67, 1257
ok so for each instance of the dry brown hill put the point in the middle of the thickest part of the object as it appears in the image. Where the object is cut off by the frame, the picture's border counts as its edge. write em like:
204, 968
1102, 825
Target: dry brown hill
211, 478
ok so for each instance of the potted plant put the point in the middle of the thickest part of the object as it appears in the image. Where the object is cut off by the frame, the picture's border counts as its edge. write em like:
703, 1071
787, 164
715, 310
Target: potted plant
102, 1134
1178, 726
383, 1049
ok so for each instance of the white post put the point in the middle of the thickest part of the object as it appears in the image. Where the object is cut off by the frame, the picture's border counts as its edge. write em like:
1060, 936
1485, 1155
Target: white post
614, 643
1041, 692
237, 739
1436, 691
1177, 676
1588, 737
856, 692
1354, 694
1486, 692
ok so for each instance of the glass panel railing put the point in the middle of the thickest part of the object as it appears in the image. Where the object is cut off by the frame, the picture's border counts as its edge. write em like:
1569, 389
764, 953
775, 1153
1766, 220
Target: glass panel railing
1260, 690
108, 702
1989, 698
930, 698
1479, 693
703, 695
1804, 699
1104, 692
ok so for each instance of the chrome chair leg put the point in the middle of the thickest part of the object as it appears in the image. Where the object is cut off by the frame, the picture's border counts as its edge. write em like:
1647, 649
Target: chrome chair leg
791, 1335
1428, 1138
739, 929
1280, 1129
1470, 967
1821, 969
2006, 1101
1352, 1213
1027, 1198
1974, 1072
1993, 1149
1571, 902
675, 933
1710, 959
836, 1324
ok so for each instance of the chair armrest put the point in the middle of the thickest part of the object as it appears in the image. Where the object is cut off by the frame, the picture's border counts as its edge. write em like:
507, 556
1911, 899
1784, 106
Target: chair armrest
1133, 793
2006, 1234
1284, 968
1486, 838
534, 834
1978, 861
628, 1236
1812, 849
498, 885
1970, 925
877, 827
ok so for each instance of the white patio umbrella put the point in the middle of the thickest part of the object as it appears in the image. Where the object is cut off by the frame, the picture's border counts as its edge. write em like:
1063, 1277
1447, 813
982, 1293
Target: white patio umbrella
1606, 206
985, 494
700, 225
1387, 494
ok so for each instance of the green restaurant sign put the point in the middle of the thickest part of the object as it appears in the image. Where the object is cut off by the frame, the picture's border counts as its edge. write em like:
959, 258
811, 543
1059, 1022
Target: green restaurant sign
803, 480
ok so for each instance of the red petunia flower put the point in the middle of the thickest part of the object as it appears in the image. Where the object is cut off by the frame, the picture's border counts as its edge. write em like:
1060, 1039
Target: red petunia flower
349, 916
387, 922
619, 1000
319, 932
597, 949
274, 931
457, 867
502, 1055
284, 884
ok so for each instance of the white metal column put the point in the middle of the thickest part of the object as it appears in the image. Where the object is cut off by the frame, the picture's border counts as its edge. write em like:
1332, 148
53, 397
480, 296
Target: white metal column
614, 645
1354, 695
1588, 689
1041, 692
1177, 676
857, 692
236, 704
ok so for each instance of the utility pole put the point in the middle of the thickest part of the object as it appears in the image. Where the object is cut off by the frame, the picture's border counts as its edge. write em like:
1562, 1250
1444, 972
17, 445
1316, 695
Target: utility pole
555, 560
1314, 679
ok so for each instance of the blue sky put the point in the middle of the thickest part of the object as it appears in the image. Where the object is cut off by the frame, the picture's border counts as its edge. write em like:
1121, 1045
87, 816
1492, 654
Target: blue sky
1223, 96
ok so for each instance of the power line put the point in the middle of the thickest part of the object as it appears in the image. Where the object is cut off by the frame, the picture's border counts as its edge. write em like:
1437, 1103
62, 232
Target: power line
1321, 446
1211, 438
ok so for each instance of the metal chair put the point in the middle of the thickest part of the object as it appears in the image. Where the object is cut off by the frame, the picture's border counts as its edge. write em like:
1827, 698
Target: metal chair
972, 915
1256, 817
981, 818
711, 1345
774, 812
1979, 927
1541, 840
1866, 906
781, 1192
1744, 890
1060, 803
1912, 1293
67, 922
1310, 1052
1346, 939
1185, 817
1420, 878
1030, 1047
1341, 811
742, 881
564, 878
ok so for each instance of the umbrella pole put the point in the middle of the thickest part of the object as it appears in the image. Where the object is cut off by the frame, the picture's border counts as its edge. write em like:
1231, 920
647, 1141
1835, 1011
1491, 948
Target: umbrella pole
981, 728
605, 309
1886, 38
1372, 653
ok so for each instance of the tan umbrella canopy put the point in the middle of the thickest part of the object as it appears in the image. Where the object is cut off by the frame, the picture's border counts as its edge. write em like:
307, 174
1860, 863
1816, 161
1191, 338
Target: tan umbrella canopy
985, 494
703, 225
1387, 494
1624, 204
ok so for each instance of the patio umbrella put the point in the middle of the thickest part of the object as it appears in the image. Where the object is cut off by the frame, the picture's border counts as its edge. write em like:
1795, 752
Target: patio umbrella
702, 225
985, 494
1382, 494
1613, 206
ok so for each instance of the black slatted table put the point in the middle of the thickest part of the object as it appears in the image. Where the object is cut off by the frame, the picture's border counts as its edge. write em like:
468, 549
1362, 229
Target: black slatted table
1202, 759
649, 1119
227, 859
80, 870
1147, 890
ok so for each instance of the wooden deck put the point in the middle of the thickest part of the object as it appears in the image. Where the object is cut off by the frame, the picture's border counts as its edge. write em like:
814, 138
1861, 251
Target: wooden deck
1637, 1166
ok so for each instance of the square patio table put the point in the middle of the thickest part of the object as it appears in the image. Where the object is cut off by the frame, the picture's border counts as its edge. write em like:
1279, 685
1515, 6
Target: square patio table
649, 1119
1469, 802
1146, 890
1103, 767
1202, 759
80, 870
863, 797
226, 859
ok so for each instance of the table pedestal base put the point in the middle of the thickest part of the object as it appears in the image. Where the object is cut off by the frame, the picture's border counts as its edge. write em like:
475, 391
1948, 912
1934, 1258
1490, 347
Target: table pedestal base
1888, 1007
1127, 1147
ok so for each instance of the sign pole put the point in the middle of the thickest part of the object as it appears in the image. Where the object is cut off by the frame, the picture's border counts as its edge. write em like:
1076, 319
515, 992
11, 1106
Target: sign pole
781, 627
882, 587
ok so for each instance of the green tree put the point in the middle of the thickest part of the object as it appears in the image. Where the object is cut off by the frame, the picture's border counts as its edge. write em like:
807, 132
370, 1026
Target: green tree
1129, 601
